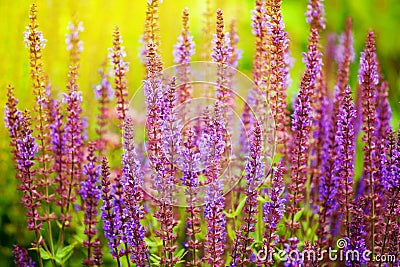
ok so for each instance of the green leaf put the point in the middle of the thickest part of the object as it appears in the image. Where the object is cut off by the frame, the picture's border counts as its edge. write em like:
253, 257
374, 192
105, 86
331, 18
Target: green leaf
65, 253
230, 231
240, 207
261, 199
298, 215
180, 253
45, 255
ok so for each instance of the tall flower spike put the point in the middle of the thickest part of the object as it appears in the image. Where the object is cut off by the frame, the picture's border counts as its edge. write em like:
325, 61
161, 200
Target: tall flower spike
108, 212
59, 150
255, 171
301, 126
191, 164
260, 30
36, 43
152, 26
279, 74
206, 31
315, 14
183, 51
214, 200
21, 257
368, 81
27, 150
13, 120
344, 163
90, 194
74, 142
273, 213
121, 67
74, 43
222, 52
133, 180
391, 180
234, 40
104, 94
384, 112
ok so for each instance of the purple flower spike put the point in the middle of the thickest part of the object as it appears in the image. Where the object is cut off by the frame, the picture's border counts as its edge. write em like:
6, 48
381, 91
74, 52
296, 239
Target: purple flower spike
344, 163
301, 127
273, 214
315, 14
183, 51
21, 257
133, 180
90, 194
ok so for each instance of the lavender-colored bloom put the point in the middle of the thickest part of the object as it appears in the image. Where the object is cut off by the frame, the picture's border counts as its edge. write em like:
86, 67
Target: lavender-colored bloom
255, 171
315, 15
216, 224
345, 150
72, 38
132, 180
104, 86
90, 194
21, 257
301, 126
74, 140
259, 18
273, 212
108, 212
358, 233
293, 255
40, 41
184, 49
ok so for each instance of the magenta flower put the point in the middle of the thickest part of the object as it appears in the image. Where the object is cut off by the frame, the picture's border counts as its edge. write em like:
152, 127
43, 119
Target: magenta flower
21, 257
90, 194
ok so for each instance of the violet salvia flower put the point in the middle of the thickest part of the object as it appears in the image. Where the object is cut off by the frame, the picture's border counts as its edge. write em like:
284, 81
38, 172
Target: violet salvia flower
391, 182
21, 257
73, 41
260, 29
344, 163
104, 94
133, 180
301, 127
358, 233
27, 149
73, 147
190, 168
290, 246
315, 14
383, 111
368, 81
273, 213
90, 194
234, 40
58, 148
255, 171
121, 67
279, 73
216, 225
222, 52
184, 49
35, 43
13, 119
110, 225
214, 200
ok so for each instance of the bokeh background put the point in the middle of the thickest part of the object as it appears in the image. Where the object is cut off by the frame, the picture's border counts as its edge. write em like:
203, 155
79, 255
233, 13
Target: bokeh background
99, 18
